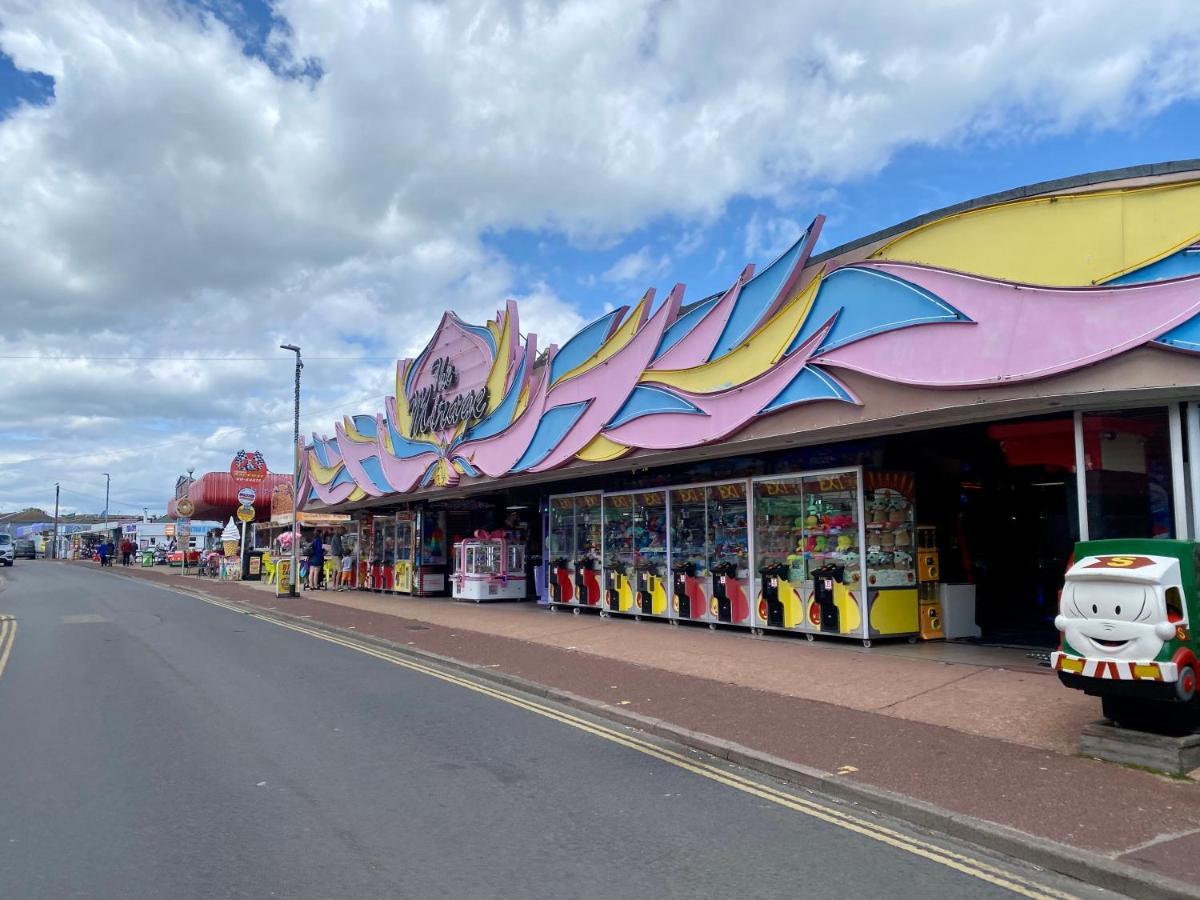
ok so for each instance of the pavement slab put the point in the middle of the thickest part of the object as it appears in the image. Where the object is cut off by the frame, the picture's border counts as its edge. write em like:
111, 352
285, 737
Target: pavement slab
780, 698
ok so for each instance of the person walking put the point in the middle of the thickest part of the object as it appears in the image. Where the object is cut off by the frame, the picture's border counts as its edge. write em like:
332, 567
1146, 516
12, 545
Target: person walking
316, 562
336, 552
102, 552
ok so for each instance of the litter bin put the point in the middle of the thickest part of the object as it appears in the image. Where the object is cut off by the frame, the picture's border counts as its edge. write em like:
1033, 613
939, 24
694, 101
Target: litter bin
147, 557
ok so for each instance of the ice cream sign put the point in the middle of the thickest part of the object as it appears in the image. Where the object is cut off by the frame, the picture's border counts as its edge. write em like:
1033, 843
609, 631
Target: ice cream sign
435, 407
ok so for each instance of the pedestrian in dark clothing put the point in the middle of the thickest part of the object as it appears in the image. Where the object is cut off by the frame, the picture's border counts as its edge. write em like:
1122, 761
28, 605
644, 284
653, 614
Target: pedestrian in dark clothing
316, 562
102, 550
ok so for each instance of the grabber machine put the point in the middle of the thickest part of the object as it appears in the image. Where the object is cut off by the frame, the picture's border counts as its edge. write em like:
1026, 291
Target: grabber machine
635, 553
573, 545
488, 567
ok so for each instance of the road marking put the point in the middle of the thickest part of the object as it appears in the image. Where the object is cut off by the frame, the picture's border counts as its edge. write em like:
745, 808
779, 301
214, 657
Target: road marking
8, 636
865, 827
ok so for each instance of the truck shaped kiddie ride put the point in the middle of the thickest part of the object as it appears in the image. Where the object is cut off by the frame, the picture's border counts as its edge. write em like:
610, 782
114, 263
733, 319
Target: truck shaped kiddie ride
1125, 617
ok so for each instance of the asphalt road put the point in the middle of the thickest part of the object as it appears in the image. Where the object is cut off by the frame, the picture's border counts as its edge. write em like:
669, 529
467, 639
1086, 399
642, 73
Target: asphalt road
153, 745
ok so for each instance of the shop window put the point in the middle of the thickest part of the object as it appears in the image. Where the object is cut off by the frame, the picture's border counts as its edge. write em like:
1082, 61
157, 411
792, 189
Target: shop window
1127, 457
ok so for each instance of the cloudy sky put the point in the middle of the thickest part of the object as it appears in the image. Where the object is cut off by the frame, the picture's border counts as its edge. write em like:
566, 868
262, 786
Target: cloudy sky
185, 185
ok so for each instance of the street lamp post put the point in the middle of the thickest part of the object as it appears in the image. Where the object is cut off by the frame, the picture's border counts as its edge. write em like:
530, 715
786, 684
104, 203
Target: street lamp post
292, 592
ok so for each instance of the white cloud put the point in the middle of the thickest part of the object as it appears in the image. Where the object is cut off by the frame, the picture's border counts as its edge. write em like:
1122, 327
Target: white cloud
180, 197
768, 236
639, 266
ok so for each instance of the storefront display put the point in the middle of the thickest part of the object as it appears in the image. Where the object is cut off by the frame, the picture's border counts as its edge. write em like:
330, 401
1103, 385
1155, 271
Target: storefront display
488, 567
573, 546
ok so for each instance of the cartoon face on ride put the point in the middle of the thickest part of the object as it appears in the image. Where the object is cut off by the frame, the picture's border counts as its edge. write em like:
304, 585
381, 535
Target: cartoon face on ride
1122, 608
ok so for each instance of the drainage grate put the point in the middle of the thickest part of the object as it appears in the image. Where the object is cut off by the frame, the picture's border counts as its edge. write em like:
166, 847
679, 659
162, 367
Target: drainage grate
416, 627
1041, 657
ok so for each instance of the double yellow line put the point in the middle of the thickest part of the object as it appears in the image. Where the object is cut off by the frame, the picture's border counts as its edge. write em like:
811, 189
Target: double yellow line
959, 862
8, 634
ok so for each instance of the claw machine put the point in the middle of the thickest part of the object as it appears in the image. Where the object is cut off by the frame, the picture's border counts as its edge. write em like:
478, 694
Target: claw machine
833, 554
710, 553
808, 538
377, 578
405, 527
573, 547
635, 553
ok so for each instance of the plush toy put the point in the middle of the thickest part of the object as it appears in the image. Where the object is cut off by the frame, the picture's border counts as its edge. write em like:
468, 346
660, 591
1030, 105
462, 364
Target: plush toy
810, 543
886, 540
811, 521
822, 543
902, 558
876, 510
903, 537
844, 542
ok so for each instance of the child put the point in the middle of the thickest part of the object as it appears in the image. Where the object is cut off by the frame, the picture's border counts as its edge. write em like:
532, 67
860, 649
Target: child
347, 573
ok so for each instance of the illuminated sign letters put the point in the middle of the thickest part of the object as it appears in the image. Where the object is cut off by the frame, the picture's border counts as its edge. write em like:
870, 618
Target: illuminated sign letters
432, 410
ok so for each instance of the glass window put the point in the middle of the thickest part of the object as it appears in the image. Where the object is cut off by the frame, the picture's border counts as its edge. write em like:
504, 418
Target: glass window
560, 541
587, 529
650, 531
1127, 457
618, 534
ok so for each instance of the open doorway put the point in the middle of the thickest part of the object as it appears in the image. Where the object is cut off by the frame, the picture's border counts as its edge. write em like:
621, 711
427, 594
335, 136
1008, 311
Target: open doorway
1003, 499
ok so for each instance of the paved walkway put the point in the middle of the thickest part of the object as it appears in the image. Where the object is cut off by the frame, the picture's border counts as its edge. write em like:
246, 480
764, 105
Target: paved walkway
993, 738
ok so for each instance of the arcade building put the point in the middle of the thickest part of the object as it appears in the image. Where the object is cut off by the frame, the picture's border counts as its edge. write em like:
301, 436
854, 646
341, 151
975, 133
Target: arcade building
901, 437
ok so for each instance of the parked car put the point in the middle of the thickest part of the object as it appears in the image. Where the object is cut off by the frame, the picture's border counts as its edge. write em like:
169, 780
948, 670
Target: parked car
25, 549
8, 551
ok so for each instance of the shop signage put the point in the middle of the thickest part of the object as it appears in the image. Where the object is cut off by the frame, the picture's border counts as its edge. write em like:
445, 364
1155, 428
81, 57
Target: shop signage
247, 496
431, 407
129, 529
245, 513
248, 466
281, 500
185, 507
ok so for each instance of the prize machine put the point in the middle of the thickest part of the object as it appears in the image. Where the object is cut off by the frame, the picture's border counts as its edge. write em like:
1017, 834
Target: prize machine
375, 573
429, 558
635, 554
488, 567
405, 528
573, 547
807, 540
929, 576
892, 594
710, 554
362, 549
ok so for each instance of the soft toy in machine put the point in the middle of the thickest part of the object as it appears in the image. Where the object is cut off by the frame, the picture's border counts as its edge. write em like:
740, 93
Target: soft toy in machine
1125, 617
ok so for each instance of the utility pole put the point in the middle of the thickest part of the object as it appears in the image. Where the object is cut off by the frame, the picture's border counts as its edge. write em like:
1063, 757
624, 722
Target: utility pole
295, 473
54, 546
107, 482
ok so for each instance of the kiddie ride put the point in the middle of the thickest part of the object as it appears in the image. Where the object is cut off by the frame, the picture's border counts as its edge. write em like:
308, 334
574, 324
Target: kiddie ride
488, 567
1125, 618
